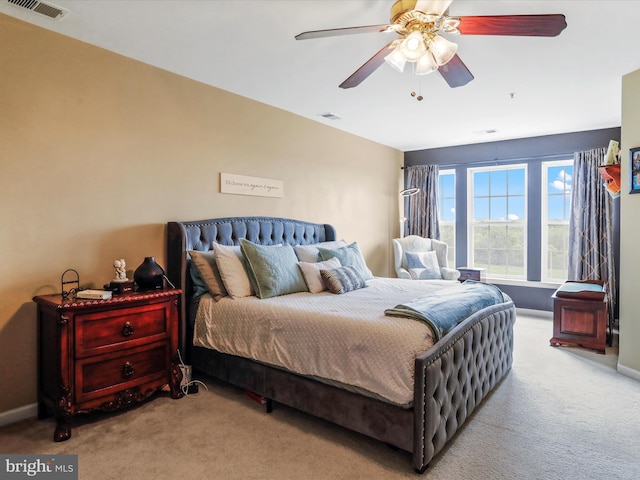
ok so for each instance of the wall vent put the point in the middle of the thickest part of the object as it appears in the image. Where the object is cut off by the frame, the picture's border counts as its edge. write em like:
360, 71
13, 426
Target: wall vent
46, 9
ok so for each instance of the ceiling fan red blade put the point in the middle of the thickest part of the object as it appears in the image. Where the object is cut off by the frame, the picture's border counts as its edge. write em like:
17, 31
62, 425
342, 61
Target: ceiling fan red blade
367, 68
455, 72
516, 25
334, 32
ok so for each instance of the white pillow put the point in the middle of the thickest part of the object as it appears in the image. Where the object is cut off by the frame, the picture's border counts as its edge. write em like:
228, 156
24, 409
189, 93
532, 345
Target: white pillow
311, 273
309, 253
423, 265
234, 276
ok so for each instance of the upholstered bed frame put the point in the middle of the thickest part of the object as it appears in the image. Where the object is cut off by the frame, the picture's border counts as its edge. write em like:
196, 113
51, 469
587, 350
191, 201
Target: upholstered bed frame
451, 378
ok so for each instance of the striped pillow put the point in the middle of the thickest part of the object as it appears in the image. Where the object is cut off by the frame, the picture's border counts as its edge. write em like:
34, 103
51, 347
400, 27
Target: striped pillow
343, 279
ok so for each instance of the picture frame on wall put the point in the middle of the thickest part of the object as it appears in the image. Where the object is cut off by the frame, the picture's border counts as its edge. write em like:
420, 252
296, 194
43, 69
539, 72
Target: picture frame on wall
634, 159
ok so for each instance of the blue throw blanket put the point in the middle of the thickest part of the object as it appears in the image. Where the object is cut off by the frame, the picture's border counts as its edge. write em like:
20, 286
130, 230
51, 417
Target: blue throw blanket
447, 308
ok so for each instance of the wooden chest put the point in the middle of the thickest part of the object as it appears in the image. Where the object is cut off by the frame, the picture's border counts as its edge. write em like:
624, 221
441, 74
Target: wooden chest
580, 316
105, 354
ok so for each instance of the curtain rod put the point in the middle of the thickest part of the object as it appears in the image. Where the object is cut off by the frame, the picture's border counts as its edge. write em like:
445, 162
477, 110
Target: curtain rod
497, 161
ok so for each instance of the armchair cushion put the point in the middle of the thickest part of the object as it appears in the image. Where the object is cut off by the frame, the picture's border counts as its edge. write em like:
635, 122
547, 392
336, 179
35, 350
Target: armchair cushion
423, 265
450, 273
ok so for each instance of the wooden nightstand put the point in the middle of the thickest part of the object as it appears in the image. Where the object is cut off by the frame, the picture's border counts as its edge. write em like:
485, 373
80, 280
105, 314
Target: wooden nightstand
468, 273
105, 354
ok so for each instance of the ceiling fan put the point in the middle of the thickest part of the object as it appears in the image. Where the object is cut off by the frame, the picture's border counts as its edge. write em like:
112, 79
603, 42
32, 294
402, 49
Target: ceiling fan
420, 23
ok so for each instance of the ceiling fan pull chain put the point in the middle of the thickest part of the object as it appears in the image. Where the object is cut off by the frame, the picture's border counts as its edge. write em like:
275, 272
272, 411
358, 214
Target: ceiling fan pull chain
418, 96
413, 76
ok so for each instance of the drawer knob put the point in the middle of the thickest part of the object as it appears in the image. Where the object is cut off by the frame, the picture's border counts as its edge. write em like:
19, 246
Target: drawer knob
127, 329
127, 370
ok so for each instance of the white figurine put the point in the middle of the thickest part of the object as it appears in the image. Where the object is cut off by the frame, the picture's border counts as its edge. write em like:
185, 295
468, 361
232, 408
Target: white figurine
121, 273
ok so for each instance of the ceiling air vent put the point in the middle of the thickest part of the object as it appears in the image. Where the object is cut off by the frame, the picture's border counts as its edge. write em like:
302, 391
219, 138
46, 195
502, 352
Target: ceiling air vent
329, 116
46, 9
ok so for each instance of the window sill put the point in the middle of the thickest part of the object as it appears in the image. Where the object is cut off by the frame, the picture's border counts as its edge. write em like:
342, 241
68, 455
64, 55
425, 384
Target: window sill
524, 283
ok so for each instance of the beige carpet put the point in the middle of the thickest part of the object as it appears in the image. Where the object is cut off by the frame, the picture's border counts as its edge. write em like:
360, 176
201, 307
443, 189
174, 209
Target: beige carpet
561, 413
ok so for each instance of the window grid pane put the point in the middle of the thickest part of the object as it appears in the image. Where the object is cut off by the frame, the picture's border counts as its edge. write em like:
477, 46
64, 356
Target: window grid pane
447, 212
556, 197
498, 220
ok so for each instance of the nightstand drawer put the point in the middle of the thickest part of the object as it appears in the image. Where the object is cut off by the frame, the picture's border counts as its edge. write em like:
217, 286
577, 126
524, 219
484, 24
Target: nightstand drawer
111, 330
97, 377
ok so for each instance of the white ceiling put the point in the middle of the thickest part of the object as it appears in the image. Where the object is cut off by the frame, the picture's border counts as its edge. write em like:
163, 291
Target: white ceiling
560, 84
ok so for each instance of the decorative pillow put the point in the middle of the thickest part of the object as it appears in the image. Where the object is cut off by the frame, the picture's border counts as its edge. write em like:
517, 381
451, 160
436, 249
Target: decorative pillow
233, 273
199, 287
205, 274
349, 255
309, 253
343, 279
423, 265
311, 273
273, 270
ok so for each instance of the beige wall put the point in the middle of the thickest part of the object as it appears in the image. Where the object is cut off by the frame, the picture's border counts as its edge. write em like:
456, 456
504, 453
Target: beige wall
629, 359
99, 151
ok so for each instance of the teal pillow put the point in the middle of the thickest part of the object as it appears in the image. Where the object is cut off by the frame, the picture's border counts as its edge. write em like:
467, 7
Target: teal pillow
349, 255
199, 287
273, 270
205, 274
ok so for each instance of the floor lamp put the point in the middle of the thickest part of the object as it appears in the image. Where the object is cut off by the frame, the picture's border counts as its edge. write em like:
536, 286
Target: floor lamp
406, 193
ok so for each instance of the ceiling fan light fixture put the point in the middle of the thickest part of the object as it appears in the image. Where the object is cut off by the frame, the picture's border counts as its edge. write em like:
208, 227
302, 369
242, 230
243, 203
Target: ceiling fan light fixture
413, 46
443, 50
396, 59
426, 64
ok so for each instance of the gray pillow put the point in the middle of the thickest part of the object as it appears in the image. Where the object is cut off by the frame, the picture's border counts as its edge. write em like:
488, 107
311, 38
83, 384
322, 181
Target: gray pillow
343, 279
273, 270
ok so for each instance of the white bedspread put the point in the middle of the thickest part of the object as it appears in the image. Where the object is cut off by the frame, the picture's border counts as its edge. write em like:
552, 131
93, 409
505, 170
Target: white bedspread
343, 338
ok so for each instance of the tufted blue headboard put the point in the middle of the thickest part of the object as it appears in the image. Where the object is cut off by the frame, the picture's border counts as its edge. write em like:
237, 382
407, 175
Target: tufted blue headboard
199, 235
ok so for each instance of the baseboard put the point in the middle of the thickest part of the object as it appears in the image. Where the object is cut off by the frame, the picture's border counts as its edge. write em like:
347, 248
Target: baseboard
534, 313
628, 372
17, 414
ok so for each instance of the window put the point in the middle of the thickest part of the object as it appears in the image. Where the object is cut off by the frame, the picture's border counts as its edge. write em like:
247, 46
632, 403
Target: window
556, 205
498, 220
447, 212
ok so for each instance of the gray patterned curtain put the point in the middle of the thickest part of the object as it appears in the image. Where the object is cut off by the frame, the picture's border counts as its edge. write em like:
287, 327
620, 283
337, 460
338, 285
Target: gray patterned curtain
422, 209
591, 225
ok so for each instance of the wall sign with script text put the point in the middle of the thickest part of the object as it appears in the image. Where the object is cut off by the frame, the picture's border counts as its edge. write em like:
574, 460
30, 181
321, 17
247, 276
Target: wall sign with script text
243, 185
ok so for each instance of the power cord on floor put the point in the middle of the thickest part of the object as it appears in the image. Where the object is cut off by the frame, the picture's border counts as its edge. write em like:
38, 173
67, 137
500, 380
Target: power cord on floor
190, 387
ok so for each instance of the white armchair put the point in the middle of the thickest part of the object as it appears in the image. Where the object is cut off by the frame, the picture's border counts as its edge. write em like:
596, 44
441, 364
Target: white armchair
417, 244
